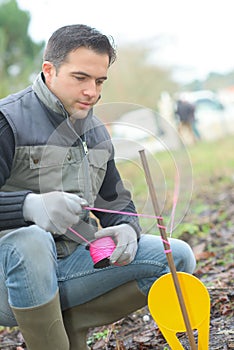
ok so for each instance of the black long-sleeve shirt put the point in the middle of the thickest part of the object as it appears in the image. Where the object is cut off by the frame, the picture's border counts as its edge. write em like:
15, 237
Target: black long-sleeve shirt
11, 203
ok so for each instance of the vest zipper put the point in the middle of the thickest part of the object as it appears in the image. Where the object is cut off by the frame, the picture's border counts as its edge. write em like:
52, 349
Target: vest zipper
87, 184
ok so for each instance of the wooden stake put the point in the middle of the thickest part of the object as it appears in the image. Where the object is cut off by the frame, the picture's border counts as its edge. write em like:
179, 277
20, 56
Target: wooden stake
170, 260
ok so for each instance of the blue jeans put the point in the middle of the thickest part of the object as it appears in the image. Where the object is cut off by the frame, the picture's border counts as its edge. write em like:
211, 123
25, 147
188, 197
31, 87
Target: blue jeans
30, 272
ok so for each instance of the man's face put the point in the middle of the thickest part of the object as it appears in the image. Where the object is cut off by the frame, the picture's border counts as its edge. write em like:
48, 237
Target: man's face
78, 81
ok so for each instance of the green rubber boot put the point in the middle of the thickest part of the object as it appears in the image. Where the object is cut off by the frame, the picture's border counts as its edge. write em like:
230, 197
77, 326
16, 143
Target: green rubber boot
42, 326
106, 309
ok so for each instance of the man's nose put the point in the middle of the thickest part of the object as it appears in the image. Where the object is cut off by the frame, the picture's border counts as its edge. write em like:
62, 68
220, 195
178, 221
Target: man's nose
91, 89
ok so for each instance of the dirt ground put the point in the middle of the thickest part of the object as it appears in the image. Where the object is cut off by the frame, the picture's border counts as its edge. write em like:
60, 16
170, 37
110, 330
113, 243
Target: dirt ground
214, 250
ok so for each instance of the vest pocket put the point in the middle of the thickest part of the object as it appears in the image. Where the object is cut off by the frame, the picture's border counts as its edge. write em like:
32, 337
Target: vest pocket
97, 164
57, 168
48, 156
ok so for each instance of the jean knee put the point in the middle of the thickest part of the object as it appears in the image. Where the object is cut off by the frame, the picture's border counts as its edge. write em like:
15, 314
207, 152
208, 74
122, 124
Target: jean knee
29, 266
30, 239
32, 245
183, 256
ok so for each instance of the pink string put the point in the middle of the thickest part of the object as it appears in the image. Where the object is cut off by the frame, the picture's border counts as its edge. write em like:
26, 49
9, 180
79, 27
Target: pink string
166, 242
101, 249
161, 226
175, 200
166, 251
113, 212
79, 235
123, 213
98, 253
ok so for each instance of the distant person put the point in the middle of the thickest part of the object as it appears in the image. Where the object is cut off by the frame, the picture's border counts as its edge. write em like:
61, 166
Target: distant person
187, 122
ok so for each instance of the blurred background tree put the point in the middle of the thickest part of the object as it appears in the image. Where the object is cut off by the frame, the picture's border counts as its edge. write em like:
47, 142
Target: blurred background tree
136, 78
20, 55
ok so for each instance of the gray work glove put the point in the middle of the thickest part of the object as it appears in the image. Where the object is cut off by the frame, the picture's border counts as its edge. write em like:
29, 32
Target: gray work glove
53, 211
125, 238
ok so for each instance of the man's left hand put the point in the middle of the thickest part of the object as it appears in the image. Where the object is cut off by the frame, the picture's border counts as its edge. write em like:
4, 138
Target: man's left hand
125, 238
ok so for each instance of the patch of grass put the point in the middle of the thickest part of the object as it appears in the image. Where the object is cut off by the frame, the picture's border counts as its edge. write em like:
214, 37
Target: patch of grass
213, 158
200, 168
189, 228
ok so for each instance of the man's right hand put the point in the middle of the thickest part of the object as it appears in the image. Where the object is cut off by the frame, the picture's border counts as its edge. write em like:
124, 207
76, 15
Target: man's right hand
53, 211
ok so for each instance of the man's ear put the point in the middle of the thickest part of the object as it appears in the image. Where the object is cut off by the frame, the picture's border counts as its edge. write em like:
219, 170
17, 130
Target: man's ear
48, 70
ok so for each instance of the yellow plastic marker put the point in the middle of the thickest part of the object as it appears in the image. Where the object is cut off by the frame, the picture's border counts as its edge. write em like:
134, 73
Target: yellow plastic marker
165, 308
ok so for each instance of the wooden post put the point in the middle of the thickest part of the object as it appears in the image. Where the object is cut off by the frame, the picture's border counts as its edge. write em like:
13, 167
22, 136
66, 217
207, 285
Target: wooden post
170, 260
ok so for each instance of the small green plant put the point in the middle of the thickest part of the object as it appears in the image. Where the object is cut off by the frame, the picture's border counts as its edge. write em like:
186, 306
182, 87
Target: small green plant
98, 336
187, 227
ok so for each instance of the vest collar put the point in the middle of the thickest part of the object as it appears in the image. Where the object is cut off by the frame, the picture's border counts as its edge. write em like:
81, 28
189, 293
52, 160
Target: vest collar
47, 97
53, 103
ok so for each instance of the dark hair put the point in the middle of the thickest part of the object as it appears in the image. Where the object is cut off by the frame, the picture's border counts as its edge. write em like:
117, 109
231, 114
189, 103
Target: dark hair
70, 38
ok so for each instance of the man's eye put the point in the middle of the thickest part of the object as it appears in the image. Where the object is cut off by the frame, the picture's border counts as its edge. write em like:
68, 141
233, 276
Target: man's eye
80, 78
100, 82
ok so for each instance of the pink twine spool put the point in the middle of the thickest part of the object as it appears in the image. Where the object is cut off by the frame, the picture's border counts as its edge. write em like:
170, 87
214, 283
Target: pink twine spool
101, 250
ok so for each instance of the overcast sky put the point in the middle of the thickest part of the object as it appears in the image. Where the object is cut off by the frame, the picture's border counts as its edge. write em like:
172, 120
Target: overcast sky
198, 34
